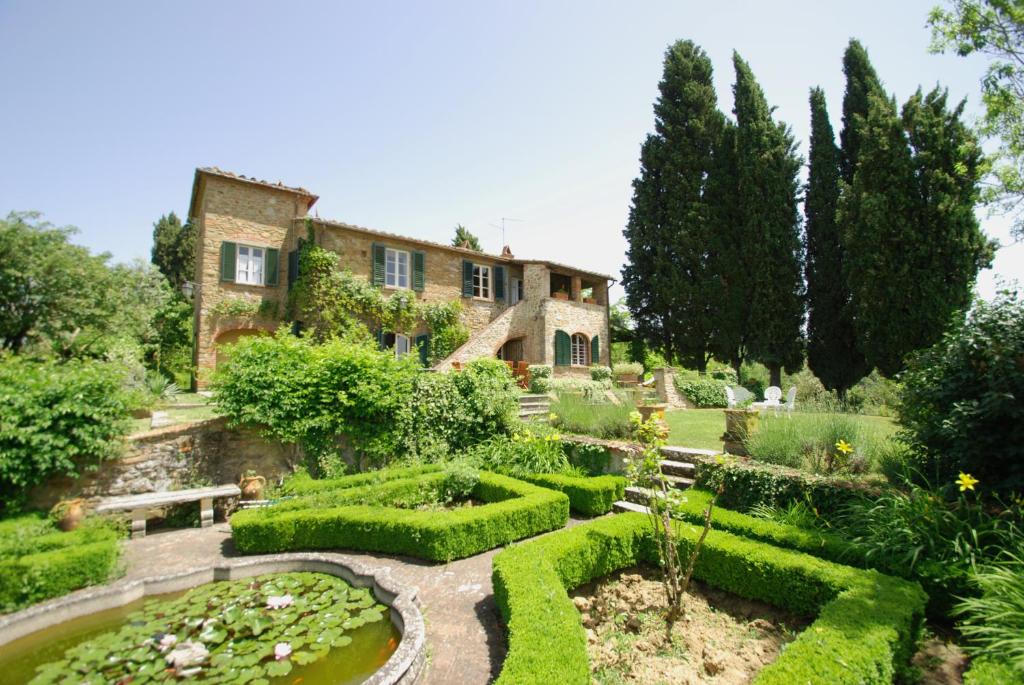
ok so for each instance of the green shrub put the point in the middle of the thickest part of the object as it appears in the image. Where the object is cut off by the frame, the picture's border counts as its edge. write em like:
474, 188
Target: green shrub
590, 389
627, 369
576, 414
704, 393
56, 419
962, 408
39, 562
600, 373
993, 622
540, 378
865, 632
535, 449
593, 460
515, 510
989, 670
589, 496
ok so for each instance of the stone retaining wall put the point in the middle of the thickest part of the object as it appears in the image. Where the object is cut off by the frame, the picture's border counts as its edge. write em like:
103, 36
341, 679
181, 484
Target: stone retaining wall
173, 458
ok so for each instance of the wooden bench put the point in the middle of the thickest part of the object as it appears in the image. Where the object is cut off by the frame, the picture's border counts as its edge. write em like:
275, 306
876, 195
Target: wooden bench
139, 505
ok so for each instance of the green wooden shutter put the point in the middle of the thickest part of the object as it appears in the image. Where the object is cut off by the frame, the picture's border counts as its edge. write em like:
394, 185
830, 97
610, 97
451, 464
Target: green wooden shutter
499, 283
563, 354
467, 278
380, 338
418, 266
293, 268
377, 269
423, 344
595, 350
271, 264
228, 252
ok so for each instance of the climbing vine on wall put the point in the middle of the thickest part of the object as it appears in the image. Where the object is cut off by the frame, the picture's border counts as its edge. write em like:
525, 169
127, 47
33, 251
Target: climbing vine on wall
333, 303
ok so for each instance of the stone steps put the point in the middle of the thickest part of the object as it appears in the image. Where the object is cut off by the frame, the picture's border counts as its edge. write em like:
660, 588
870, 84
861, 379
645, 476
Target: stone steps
534, 407
624, 506
684, 469
678, 474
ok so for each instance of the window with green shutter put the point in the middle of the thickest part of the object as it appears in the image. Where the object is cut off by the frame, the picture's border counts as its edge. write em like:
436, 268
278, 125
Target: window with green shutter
418, 268
271, 264
595, 350
563, 354
467, 278
377, 267
499, 283
227, 261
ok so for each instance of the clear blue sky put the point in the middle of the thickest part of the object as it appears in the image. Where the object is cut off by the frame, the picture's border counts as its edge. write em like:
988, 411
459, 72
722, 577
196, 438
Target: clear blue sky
409, 117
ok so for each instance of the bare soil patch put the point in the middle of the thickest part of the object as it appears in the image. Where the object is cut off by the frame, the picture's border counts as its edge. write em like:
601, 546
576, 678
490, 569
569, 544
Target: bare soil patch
724, 639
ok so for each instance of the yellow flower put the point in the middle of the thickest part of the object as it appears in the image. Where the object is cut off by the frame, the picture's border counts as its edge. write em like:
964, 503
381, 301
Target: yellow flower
552, 416
966, 481
844, 447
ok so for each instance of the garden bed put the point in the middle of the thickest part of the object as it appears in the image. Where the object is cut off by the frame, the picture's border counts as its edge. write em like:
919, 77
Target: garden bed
723, 637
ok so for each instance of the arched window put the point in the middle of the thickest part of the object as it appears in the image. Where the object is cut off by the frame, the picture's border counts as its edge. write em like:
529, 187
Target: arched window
580, 348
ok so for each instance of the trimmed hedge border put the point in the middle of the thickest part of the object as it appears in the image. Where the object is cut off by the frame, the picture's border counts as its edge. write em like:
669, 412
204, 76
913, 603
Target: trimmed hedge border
64, 562
588, 495
306, 486
990, 671
865, 631
515, 510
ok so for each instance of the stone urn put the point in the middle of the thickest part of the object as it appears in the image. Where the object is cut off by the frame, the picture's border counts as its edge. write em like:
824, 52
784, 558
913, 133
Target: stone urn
68, 513
647, 411
252, 486
739, 423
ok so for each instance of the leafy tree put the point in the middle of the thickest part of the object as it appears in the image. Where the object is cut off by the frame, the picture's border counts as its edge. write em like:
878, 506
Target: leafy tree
769, 233
913, 244
464, 238
994, 28
687, 124
174, 249
861, 83
832, 352
961, 405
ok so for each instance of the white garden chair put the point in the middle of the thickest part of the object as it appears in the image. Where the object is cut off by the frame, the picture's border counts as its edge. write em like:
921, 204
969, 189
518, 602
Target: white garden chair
730, 397
772, 395
790, 403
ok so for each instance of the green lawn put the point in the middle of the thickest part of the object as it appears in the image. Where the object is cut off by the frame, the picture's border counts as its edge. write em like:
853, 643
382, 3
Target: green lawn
189, 415
703, 428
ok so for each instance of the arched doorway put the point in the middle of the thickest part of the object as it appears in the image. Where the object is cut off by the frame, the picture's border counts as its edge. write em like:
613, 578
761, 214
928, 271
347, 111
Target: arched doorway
512, 351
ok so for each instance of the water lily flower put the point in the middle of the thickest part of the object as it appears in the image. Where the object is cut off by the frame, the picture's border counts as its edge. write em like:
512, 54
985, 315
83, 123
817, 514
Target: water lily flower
187, 654
167, 641
844, 447
282, 650
966, 481
279, 602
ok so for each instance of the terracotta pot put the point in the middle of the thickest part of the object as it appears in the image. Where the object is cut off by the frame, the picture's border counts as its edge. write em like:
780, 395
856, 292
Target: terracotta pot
649, 410
590, 300
71, 514
560, 296
252, 487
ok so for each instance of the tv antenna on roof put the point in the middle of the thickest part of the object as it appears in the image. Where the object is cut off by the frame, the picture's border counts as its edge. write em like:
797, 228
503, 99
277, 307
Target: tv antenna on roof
502, 227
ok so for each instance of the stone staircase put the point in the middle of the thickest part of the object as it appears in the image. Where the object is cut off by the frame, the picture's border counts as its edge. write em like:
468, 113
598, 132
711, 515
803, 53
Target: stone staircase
534, 407
676, 474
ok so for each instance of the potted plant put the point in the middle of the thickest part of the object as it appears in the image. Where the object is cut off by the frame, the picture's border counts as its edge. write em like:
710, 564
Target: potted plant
252, 485
68, 513
561, 294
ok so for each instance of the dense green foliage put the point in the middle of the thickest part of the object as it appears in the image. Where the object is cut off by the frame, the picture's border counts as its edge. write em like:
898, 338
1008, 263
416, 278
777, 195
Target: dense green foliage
672, 270
174, 249
600, 418
993, 622
994, 28
530, 450
56, 419
865, 631
514, 510
704, 393
832, 352
238, 637
962, 408
588, 496
297, 391
38, 562
767, 177
809, 441
989, 670
463, 237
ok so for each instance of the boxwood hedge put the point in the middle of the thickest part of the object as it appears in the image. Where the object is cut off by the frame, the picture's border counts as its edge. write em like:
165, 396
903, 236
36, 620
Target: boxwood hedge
36, 567
991, 671
589, 496
514, 510
865, 631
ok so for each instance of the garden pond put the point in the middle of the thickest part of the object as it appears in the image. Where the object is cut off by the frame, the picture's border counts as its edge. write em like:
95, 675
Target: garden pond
273, 629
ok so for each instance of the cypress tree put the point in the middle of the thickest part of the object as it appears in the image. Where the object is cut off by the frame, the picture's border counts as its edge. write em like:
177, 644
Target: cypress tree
861, 82
767, 179
687, 123
914, 246
832, 352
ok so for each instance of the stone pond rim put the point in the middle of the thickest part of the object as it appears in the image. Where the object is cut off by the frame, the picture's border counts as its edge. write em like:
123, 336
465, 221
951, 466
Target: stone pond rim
404, 667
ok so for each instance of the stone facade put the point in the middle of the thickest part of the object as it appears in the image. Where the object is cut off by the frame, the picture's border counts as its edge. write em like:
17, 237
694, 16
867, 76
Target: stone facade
230, 208
174, 458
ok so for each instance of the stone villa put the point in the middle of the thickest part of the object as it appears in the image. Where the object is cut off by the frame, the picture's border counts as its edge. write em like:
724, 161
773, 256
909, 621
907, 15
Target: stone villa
527, 310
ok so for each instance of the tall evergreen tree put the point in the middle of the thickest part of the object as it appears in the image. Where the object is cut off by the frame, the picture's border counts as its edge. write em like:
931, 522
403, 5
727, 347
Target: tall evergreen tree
463, 237
832, 352
687, 123
861, 82
174, 249
914, 246
767, 175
